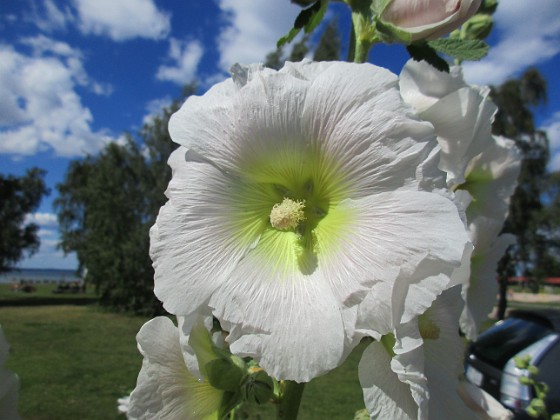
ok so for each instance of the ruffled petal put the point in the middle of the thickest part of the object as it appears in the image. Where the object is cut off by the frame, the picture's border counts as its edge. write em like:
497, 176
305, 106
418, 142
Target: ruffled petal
165, 388
385, 396
480, 293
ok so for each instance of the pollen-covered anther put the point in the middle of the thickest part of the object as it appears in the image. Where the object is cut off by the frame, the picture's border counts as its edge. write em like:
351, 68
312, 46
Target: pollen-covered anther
287, 214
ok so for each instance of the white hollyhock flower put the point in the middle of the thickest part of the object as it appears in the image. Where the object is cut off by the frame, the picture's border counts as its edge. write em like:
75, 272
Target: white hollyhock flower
9, 384
491, 179
462, 115
293, 194
414, 373
165, 388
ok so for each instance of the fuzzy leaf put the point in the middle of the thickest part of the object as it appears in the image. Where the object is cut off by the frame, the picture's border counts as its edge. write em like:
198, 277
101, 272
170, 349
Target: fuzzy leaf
463, 49
308, 19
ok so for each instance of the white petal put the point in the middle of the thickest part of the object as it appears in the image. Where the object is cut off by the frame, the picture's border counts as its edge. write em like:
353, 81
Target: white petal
444, 358
361, 124
480, 294
462, 121
422, 85
289, 321
385, 396
199, 235
483, 404
418, 232
492, 179
165, 388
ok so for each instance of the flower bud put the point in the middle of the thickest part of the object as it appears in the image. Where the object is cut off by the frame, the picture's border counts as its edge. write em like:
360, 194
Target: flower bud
225, 373
488, 6
478, 27
258, 386
411, 20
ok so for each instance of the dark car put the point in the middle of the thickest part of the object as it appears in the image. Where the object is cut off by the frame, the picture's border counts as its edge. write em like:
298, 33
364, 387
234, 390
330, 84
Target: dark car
490, 365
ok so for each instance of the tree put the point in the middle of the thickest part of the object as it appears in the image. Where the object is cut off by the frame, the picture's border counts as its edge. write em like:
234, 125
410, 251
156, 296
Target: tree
515, 100
328, 48
106, 207
20, 196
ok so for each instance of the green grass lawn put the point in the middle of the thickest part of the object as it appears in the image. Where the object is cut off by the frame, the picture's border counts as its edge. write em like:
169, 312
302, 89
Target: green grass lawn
75, 361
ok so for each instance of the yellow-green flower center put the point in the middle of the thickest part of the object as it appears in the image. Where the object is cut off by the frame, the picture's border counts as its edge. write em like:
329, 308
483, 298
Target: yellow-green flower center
287, 215
428, 329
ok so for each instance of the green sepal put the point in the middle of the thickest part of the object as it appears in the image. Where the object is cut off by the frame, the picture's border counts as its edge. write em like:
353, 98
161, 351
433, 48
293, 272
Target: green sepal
361, 414
390, 33
307, 19
225, 373
488, 6
421, 51
230, 400
525, 380
462, 49
388, 341
258, 387
522, 362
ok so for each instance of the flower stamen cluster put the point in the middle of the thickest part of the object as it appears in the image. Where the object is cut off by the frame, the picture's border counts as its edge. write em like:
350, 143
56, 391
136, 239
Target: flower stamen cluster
287, 215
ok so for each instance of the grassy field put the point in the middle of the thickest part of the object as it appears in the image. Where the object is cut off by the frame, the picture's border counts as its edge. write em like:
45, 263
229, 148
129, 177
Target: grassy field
75, 361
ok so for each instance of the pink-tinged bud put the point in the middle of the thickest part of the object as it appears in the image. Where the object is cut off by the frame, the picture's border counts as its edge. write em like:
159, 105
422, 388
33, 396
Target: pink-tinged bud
427, 19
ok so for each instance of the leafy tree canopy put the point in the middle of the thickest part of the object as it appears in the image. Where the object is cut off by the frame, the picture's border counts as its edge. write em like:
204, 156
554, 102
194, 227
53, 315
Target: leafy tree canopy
20, 196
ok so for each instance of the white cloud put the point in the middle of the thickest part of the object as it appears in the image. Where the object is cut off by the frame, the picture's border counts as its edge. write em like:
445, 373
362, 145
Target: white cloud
40, 109
122, 19
185, 56
154, 108
42, 219
552, 128
48, 17
252, 29
528, 34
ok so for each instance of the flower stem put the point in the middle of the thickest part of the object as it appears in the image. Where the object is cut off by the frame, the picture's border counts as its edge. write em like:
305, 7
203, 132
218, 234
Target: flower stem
362, 36
291, 398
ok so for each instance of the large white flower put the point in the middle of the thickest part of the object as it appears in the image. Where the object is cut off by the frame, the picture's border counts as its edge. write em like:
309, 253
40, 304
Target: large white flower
9, 384
491, 178
165, 388
415, 372
462, 115
294, 193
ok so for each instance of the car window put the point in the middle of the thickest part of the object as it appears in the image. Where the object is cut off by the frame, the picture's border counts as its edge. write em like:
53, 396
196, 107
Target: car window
503, 341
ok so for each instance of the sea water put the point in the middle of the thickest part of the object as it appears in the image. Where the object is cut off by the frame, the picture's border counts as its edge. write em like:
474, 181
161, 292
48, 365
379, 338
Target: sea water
39, 275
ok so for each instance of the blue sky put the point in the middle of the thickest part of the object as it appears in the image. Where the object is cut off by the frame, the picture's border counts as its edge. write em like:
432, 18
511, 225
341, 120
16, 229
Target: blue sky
76, 74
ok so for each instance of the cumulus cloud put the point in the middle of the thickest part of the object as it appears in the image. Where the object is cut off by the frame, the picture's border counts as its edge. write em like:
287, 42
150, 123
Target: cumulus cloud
552, 128
49, 17
123, 19
154, 108
185, 57
42, 219
41, 110
252, 29
528, 33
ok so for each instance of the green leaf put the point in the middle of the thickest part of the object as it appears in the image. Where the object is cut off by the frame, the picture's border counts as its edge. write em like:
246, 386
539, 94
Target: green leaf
463, 49
288, 37
308, 19
423, 52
